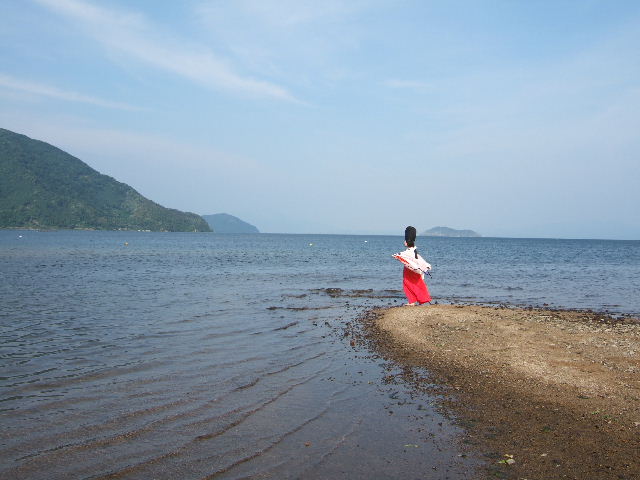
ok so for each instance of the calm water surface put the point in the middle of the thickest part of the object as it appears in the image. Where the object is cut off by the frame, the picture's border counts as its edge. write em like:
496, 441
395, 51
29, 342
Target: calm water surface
144, 355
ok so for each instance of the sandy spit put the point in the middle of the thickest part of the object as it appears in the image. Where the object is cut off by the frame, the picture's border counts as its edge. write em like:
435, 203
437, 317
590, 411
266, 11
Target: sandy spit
558, 392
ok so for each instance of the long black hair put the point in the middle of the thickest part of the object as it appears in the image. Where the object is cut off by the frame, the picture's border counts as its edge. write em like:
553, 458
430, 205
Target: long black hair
410, 238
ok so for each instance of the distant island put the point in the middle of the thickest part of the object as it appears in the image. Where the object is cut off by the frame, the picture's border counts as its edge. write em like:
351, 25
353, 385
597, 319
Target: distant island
42, 186
449, 232
225, 223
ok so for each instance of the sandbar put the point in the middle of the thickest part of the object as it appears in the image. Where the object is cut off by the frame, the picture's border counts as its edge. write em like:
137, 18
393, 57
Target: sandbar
555, 392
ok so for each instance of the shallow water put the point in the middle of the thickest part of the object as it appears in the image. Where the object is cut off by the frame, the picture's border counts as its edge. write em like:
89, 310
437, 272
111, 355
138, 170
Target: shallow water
143, 355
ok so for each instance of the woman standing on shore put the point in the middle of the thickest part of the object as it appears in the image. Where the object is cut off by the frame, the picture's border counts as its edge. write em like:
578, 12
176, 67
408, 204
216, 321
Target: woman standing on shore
415, 267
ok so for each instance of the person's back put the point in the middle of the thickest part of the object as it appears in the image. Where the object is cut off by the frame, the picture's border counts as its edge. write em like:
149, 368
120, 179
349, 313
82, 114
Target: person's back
414, 269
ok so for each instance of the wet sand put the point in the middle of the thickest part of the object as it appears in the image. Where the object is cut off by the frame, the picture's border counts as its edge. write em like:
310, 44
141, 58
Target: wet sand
557, 392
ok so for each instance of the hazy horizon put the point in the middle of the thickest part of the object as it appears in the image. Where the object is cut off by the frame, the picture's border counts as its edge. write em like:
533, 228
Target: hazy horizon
512, 119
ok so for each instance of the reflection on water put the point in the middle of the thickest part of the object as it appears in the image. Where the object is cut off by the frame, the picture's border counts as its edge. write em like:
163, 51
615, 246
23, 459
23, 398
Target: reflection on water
206, 356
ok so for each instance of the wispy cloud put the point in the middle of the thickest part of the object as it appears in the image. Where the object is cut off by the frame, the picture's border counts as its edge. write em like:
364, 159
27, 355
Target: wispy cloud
306, 42
13, 83
135, 36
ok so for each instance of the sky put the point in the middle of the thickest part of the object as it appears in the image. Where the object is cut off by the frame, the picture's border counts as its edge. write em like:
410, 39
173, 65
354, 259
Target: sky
510, 118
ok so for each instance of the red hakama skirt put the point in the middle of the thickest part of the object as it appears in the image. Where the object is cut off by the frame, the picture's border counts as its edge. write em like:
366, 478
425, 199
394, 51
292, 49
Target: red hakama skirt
414, 287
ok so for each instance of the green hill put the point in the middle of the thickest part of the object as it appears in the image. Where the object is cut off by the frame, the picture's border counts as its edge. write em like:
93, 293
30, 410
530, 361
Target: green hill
43, 187
225, 223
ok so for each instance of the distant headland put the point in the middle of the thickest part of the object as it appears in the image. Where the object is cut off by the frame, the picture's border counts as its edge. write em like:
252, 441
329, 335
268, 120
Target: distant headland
43, 187
225, 223
448, 232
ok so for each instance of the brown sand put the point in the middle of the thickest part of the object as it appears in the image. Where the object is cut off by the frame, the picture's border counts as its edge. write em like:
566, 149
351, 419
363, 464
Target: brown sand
558, 390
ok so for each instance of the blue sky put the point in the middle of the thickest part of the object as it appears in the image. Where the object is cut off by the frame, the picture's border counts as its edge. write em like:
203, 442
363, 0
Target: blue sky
510, 118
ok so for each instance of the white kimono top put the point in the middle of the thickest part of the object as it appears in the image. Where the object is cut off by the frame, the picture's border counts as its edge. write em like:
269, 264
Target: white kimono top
408, 258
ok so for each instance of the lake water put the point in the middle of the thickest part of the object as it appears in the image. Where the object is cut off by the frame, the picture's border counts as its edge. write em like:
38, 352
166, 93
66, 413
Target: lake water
165, 355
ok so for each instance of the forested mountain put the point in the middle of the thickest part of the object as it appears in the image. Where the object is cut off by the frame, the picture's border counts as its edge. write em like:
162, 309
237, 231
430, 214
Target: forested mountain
42, 186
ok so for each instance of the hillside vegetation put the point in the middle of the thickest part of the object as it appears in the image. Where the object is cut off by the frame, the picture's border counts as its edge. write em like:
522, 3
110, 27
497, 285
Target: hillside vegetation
42, 186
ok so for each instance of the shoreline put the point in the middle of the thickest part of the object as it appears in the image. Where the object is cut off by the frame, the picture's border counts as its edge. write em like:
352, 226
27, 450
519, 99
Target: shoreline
557, 390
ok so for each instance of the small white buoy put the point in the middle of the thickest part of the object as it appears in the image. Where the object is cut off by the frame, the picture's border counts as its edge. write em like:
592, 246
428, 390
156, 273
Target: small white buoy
126, 244
19, 236
311, 244
366, 241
